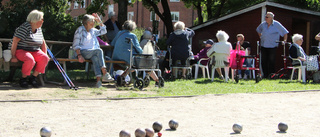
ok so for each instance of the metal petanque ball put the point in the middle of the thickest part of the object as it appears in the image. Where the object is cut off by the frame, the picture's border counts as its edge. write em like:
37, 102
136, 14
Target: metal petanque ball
237, 128
124, 133
283, 127
140, 132
149, 132
173, 124
45, 132
157, 126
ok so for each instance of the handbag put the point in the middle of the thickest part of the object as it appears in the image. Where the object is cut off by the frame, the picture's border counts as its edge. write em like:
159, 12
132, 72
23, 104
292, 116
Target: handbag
234, 54
312, 63
148, 48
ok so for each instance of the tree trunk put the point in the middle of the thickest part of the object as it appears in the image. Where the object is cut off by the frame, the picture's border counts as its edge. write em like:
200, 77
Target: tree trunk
122, 15
209, 9
167, 17
218, 13
199, 12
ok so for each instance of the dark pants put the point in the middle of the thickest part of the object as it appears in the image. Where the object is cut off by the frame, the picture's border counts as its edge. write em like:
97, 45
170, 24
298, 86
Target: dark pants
268, 60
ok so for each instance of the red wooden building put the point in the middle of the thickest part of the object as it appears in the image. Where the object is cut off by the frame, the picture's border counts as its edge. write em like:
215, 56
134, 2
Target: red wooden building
245, 21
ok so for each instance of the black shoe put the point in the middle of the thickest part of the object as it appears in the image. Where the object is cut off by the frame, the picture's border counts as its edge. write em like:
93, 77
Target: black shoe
157, 84
32, 81
23, 83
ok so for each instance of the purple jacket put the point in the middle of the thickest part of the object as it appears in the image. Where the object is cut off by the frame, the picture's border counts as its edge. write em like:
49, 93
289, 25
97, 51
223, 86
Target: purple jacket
202, 54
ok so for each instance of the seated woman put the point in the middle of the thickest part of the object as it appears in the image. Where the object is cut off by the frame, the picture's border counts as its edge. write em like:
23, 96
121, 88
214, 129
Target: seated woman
122, 47
28, 45
296, 51
86, 45
223, 46
181, 49
203, 52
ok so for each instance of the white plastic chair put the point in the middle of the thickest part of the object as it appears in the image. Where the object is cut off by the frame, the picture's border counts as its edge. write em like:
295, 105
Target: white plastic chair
219, 59
203, 67
301, 72
252, 75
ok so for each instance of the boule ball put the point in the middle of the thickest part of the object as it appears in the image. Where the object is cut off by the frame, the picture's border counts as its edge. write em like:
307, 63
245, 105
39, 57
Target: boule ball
140, 132
173, 124
237, 128
124, 133
283, 127
45, 132
157, 126
149, 132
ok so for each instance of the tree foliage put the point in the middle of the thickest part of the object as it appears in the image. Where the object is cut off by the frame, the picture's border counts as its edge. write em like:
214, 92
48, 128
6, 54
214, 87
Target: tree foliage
98, 6
58, 25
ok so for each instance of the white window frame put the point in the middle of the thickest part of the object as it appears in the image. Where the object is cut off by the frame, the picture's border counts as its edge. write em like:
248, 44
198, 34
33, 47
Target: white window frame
177, 14
75, 18
69, 4
130, 15
75, 5
174, 0
110, 8
84, 4
155, 16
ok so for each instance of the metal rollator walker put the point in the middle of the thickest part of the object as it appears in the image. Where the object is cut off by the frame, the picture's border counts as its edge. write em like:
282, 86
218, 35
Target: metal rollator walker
256, 67
141, 62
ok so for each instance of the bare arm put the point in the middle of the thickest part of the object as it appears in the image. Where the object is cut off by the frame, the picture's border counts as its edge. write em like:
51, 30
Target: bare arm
14, 45
317, 37
44, 47
259, 35
80, 58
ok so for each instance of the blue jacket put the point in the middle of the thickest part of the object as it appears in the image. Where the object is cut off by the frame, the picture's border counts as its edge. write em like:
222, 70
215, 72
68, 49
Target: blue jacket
179, 40
122, 47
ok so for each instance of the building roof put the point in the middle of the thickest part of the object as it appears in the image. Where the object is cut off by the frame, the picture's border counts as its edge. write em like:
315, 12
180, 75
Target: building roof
260, 5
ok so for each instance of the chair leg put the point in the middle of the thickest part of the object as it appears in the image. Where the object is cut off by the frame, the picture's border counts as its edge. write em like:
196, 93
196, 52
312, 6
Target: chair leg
226, 73
299, 74
203, 72
196, 71
212, 71
207, 68
292, 73
303, 69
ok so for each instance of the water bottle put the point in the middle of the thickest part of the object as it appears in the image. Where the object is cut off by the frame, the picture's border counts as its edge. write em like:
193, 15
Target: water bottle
71, 52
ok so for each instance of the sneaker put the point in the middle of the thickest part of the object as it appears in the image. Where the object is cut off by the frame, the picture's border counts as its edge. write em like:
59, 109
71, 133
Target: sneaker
32, 81
157, 84
107, 78
99, 84
221, 77
245, 76
23, 83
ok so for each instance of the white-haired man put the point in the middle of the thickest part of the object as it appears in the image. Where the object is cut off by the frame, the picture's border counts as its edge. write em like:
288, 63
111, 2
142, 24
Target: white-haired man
269, 32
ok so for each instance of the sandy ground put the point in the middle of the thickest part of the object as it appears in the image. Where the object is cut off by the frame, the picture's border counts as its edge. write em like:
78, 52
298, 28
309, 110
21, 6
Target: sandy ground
198, 116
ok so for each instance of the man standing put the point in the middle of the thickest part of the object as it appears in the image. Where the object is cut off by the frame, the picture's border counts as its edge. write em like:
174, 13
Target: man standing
269, 32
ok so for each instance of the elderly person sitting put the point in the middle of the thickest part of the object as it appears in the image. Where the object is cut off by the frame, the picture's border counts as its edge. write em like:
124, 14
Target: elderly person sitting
86, 45
296, 51
181, 49
223, 46
122, 47
28, 45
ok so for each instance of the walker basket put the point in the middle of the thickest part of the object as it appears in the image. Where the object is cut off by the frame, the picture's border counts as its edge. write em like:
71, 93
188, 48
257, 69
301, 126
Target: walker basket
143, 61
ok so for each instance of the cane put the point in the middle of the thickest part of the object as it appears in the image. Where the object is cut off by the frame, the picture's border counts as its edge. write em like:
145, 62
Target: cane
64, 74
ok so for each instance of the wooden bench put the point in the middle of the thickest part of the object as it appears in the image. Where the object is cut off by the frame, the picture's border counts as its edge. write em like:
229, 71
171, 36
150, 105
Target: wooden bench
63, 61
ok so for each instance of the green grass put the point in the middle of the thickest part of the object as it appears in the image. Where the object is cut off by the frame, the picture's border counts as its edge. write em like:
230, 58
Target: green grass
205, 86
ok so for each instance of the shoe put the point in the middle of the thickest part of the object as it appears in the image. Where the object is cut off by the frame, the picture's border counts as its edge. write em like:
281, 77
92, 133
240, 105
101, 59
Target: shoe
32, 81
157, 84
245, 76
107, 78
221, 77
23, 83
240, 77
99, 84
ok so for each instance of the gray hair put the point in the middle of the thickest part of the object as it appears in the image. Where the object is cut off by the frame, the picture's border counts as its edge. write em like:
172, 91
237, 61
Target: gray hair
147, 35
222, 36
87, 18
129, 25
271, 14
35, 16
111, 14
179, 25
296, 37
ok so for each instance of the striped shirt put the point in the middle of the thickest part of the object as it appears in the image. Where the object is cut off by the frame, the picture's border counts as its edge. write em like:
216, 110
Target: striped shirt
29, 41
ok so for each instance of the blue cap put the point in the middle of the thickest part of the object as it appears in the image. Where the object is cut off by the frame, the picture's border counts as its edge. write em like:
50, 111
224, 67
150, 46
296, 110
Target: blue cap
209, 41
